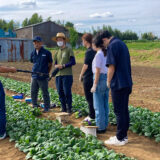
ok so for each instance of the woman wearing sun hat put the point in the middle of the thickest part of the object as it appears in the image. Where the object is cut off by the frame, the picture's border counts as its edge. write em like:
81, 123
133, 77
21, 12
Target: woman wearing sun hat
64, 60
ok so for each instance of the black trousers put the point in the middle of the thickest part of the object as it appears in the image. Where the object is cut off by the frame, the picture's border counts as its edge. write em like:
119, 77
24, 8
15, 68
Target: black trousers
87, 85
120, 99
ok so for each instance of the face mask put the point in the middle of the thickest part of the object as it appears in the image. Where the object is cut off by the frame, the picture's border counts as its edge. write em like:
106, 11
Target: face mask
60, 43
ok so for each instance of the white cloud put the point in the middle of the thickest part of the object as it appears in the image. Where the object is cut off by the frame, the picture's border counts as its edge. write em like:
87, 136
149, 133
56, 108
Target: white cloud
101, 15
132, 20
57, 13
79, 24
27, 3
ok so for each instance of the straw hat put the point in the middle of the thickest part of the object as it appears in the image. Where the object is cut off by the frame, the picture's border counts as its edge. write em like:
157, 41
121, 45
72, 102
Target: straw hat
60, 35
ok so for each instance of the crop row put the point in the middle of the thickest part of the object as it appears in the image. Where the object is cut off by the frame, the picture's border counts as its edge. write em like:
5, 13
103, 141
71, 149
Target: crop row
142, 121
43, 139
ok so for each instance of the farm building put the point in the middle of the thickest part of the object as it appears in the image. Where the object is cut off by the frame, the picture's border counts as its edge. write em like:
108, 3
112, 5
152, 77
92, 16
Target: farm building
13, 49
46, 30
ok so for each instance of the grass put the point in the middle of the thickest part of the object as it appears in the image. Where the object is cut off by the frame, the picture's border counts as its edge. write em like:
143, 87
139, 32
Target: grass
143, 45
148, 51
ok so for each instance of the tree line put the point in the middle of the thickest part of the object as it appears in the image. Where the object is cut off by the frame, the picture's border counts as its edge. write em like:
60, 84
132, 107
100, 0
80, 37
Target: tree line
74, 35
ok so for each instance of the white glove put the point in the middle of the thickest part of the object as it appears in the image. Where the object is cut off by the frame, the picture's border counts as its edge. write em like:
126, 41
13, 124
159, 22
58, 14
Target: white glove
108, 84
93, 89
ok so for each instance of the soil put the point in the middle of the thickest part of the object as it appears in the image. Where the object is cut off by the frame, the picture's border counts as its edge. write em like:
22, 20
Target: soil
146, 93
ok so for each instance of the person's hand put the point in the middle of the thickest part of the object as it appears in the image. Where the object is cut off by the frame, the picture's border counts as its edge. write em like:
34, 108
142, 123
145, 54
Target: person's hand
80, 78
59, 66
108, 84
93, 89
13, 69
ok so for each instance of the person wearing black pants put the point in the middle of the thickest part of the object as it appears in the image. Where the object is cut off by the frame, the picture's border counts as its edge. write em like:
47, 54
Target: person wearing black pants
3, 69
86, 74
119, 79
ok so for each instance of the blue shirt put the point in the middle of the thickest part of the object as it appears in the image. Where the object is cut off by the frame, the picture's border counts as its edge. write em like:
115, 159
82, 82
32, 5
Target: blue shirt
40, 62
118, 55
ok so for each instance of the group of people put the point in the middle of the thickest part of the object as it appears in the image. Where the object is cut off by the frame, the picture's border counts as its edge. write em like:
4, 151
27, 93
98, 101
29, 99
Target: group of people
106, 67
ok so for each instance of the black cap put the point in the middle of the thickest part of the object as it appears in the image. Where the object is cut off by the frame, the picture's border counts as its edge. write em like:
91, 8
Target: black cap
37, 38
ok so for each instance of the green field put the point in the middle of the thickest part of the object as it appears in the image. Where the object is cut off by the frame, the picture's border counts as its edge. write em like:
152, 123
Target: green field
139, 51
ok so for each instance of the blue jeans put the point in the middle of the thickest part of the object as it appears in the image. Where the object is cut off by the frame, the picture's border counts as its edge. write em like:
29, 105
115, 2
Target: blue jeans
2, 111
100, 99
64, 85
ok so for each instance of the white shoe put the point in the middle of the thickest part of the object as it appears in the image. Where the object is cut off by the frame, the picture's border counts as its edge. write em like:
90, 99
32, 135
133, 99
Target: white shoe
87, 118
125, 139
115, 141
3, 136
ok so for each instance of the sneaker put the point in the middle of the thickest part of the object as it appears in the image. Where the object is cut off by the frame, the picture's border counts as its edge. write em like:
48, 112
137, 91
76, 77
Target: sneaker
115, 141
3, 136
88, 118
125, 139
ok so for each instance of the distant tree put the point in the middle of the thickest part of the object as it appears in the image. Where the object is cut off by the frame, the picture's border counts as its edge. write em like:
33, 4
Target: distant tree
33, 20
149, 36
3, 24
69, 25
25, 22
10, 25
49, 19
60, 22
73, 36
127, 35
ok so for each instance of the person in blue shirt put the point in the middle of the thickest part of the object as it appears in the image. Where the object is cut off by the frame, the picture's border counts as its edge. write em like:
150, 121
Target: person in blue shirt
3, 69
119, 79
42, 62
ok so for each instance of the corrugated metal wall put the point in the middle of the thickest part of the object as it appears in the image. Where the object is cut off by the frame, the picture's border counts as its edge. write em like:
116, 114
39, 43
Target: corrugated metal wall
13, 50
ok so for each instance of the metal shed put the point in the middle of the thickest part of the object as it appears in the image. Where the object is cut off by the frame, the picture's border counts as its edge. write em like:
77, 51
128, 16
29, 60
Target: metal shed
46, 30
15, 50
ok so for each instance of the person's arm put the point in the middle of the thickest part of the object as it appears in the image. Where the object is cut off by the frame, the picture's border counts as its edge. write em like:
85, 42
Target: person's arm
49, 67
4, 69
84, 68
111, 70
71, 62
97, 73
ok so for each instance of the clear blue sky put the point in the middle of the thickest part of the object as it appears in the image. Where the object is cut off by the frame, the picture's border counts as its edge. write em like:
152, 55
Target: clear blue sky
136, 15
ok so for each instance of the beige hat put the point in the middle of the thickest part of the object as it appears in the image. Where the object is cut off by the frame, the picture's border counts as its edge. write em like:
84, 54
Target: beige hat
60, 35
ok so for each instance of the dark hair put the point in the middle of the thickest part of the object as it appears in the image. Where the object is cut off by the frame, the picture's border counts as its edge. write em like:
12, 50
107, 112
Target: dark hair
97, 40
105, 34
87, 37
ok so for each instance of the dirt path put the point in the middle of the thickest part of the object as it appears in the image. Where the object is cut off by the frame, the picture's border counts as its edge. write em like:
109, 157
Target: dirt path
9, 152
146, 88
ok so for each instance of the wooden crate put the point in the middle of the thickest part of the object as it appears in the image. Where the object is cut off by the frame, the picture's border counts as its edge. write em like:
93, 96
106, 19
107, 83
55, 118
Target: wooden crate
89, 130
62, 117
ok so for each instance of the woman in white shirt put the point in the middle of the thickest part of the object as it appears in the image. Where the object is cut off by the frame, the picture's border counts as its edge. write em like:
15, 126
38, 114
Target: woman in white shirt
99, 88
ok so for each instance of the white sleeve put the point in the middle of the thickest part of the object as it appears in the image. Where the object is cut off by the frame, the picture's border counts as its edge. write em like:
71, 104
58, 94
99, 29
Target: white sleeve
98, 61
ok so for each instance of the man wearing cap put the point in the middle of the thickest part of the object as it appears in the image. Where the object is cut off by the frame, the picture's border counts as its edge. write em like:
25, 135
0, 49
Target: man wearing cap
64, 60
42, 62
3, 69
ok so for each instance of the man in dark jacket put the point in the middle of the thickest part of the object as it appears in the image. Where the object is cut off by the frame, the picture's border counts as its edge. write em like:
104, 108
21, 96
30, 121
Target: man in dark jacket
42, 63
